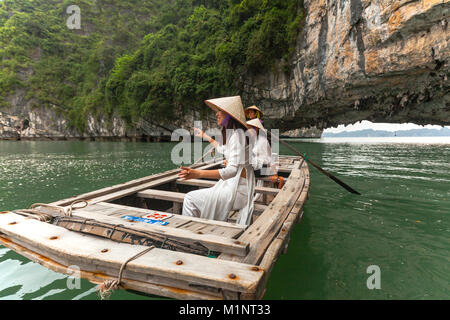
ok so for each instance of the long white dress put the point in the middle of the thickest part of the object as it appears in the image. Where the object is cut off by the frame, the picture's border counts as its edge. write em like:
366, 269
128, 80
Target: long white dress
231, 192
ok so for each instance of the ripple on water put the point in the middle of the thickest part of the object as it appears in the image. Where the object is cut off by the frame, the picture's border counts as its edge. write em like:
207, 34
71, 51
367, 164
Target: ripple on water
401, 222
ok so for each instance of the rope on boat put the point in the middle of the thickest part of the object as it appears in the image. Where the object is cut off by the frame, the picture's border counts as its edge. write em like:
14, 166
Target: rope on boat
69, 211
34, 214
106, 288
44, 217
65, 213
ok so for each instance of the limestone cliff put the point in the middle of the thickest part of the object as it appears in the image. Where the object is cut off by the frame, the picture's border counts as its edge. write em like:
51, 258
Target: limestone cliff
377, 60
23, 122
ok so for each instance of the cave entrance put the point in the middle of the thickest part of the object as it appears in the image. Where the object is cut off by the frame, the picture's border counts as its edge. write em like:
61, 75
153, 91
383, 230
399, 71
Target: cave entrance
25, 124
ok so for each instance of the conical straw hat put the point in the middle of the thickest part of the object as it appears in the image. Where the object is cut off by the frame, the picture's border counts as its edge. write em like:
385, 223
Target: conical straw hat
254, 108
256, 123
231, 105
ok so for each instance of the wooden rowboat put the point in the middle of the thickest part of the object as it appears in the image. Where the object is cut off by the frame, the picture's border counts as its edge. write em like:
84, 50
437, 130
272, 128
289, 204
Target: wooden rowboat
181, 257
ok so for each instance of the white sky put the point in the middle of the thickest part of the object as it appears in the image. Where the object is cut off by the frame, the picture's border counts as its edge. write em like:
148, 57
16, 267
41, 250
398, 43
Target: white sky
380, 126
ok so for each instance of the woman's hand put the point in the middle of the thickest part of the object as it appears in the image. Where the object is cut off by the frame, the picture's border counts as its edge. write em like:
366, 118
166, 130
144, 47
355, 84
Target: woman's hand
188, 173
198, 133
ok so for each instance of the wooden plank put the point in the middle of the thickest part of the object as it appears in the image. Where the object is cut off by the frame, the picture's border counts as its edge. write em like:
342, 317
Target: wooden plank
179, 197
211, 241
184, 218
161, 195
108, 209
76, 247
123, 193
122, 210
176, 221
126, 185
97, 208
210, 183
197, 183
232, 217
284, 170
120, 233
206, 228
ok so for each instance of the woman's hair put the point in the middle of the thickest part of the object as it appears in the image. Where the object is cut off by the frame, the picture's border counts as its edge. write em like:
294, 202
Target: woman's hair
231, 124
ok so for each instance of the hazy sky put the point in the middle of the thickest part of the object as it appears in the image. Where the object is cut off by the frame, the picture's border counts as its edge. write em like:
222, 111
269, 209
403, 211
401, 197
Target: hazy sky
380, 126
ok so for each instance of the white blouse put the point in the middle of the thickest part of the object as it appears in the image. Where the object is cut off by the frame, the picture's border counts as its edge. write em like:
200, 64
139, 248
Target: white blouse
234, 152
261, 153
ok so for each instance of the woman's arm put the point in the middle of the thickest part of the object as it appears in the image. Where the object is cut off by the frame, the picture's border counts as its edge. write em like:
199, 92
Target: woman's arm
201, 134
188, 173
232, 166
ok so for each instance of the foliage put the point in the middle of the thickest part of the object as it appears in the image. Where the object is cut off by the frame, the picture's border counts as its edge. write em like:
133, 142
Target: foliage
140, 58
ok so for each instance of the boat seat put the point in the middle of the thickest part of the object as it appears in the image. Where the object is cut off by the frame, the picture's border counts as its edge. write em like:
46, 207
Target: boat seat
178, 197
209, 183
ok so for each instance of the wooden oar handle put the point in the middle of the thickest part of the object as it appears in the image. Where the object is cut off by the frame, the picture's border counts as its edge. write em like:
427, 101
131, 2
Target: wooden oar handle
199, 160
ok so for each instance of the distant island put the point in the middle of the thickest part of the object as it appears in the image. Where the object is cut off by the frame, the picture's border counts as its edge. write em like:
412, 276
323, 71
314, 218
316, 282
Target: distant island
368, 133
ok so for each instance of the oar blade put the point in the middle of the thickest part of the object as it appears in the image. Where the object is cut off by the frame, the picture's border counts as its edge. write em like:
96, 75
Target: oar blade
344, 185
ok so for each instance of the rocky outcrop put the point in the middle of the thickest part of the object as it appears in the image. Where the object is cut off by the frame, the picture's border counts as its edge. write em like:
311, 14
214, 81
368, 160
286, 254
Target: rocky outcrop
22, 121
312, 132
377, 60
42, 124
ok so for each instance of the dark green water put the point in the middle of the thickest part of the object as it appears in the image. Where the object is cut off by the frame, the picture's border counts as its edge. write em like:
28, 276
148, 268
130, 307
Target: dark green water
400, 224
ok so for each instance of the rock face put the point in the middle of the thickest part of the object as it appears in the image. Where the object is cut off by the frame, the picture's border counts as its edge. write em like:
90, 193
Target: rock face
24, 122
312, 132
377, 60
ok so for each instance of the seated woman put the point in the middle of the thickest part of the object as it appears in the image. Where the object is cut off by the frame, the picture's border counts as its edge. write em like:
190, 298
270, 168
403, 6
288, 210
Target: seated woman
261, 156
253, 112
235, 189
261, 159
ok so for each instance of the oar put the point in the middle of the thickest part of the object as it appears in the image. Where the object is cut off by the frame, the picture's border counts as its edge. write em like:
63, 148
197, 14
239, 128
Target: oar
329, 175
196, 162
202, 157
199, 160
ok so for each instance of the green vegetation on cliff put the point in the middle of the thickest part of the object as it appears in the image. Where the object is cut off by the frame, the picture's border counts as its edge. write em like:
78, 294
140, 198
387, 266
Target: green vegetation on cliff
140, 58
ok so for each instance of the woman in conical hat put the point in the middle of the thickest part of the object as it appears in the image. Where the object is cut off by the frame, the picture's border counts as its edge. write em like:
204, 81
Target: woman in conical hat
261, 158
261, 155
253, 112
236, 185
261, 150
